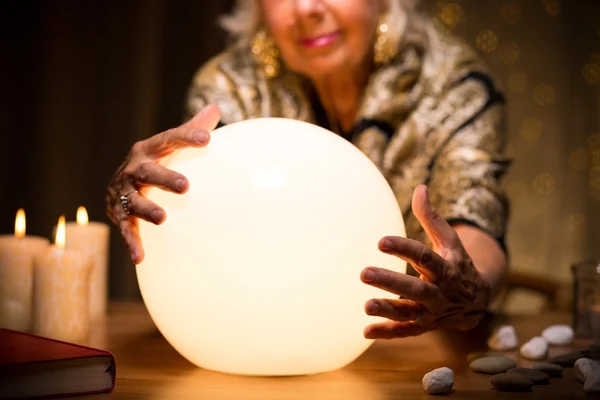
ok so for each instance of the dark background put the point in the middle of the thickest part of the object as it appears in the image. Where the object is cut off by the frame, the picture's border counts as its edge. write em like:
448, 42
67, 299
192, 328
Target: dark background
83, 80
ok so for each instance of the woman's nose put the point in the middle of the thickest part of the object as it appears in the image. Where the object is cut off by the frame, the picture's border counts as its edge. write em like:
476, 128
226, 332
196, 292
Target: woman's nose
308, 8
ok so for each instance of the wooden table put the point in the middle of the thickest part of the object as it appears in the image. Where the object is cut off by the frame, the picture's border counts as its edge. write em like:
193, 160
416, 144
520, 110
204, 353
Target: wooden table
149, 368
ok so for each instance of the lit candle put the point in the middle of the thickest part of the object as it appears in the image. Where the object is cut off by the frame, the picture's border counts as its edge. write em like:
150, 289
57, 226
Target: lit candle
60, 291
16, 275
91, 238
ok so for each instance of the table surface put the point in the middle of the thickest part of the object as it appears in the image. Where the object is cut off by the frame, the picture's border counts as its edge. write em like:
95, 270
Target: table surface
149, 368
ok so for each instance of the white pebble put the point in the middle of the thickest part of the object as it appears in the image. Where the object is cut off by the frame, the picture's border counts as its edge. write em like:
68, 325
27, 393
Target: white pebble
438, 381
558, 334
504, 338
592, 383
535, 349
584, 368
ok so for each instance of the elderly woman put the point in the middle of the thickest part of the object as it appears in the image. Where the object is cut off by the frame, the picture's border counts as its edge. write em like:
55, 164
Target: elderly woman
417, 101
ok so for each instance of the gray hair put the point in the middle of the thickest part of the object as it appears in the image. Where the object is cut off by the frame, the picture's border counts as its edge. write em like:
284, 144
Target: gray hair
409, 21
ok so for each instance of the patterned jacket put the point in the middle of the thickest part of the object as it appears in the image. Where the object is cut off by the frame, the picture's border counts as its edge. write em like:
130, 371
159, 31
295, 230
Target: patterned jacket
432, 116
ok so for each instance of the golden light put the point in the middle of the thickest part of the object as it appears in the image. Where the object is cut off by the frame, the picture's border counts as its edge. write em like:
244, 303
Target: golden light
531, 129
256, 269
576, 222
552, 7
511, 12
60, 237
508, 52
487, 41
544, 184
82, 216
451, 14
544, 94
591, 73
20, 223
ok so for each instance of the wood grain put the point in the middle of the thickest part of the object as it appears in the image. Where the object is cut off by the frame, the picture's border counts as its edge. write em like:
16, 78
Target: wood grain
149, 368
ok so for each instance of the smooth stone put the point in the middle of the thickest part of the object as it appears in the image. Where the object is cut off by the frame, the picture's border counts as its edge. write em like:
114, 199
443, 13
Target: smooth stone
438, 381
568, 360
511, 382
504, 338
554, 370
492, 365
592, 383
535, 349
560, 335
592, 353
537, 377
584, 368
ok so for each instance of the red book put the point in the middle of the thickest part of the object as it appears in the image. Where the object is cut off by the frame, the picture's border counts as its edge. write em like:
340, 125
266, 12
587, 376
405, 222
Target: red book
37, 367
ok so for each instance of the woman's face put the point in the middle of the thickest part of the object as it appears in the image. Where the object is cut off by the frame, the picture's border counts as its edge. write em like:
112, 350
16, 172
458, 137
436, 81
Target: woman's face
322, 37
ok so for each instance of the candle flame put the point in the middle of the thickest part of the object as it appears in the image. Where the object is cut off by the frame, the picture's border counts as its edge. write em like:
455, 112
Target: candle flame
82, 216
60, 233
20, 223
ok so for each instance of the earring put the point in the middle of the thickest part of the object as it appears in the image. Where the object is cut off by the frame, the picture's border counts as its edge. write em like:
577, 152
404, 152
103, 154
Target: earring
265, 53
383, 51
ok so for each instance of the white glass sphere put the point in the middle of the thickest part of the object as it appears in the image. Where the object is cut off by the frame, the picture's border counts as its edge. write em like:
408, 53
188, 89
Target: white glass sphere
256, 270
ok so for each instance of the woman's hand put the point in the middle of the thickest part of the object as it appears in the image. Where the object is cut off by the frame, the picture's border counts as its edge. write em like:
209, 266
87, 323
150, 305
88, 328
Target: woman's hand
141, 169
450, 293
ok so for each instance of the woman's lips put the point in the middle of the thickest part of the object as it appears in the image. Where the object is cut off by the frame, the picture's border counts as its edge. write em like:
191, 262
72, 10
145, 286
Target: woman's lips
320, 41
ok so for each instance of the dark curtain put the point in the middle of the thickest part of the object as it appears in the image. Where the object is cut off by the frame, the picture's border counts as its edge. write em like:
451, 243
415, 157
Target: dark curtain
82, 81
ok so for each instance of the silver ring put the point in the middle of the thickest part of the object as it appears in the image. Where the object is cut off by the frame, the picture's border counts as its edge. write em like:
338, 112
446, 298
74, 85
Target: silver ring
419, 316
125, 202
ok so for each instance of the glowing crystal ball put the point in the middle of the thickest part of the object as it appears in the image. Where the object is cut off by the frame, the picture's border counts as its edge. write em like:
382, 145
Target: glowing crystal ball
256, 270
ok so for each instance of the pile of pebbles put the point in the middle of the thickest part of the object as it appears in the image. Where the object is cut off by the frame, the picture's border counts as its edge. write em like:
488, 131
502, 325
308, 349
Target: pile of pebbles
507, 376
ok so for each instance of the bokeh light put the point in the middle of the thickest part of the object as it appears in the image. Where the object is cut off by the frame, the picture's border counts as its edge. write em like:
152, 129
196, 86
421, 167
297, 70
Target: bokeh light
511, 12
552, 7
509, 52
531, 129
591, 73
575, 222
451, 14
544, 94
544, 184
487, 41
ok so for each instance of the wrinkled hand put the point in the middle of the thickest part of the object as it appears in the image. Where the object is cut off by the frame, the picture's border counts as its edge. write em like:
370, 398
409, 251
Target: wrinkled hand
449, 292
142, 169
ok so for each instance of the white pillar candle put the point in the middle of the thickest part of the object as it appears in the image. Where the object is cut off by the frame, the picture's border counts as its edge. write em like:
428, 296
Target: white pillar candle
60, 292
16, 275
91, 238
